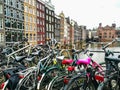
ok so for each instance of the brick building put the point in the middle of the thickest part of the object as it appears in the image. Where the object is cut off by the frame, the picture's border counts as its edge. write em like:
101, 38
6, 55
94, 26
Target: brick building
40, 22
107, 33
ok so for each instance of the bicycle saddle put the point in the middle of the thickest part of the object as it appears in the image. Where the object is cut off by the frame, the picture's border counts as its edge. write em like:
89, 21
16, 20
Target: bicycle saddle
83, 61
37, 53
114, 58
67, 61
19, 58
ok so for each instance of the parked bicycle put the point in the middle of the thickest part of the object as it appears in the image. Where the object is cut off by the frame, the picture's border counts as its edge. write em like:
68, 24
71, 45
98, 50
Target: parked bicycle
112, 74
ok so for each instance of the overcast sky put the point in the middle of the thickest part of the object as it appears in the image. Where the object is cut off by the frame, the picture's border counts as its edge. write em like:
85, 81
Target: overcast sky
90, 12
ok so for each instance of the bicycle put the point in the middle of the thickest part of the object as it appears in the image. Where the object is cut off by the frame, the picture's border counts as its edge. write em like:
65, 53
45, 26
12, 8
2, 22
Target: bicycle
32, 77
61, 80
112, 74
89, 79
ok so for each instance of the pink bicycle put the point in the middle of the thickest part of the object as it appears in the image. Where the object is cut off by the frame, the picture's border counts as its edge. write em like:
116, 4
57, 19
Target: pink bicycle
92, 76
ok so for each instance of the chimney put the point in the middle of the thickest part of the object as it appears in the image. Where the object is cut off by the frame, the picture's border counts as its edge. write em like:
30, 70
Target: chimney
113, 25
49, 1
100, 24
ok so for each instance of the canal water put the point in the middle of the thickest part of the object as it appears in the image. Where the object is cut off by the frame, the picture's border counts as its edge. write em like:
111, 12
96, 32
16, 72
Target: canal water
99, 56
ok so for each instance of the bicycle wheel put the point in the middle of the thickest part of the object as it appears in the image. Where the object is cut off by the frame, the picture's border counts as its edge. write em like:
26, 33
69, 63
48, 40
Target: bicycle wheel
47, 77
59, 82
28, 83
110, 84
79, 82
4, 86
4, 66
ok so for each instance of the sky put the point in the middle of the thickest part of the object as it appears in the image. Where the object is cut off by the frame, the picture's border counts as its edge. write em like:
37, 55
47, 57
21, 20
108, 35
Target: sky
90, 12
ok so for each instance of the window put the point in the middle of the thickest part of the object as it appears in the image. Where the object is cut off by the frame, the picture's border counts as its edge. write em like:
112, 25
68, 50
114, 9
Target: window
43, 23
34, 3
7, 22
34, 28
38, 29
40, 6
37, 21
8, 12
43, 15
0, 37
34, 20
40, 14
31, 10
17, 5
4, 1
20, 5
31, 2
27, 35
14, 11
14, 24
26, 8
30, 36
1, 23
37, 5
11, 13
41, 38
26, 27
43, 8
34, 37
1, 9
37, 13
14, 4
20, 25
30, 18
11, 3
31, 27
27, 1
47, 11
8, 36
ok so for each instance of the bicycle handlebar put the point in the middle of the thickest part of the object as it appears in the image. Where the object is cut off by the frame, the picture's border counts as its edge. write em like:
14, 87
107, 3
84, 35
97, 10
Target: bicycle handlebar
109, 44
82, 50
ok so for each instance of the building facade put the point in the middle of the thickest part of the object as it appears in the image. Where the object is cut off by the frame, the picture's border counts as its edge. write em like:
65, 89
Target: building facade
83, 32
49, 20
68, 22
62, 27
107, 33
14, 20
118, 32
30, 30
76, 33
2, 27
57, 28
72, 32
40, 22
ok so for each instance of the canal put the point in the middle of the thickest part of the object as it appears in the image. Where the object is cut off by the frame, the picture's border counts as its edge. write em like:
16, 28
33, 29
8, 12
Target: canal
99, 56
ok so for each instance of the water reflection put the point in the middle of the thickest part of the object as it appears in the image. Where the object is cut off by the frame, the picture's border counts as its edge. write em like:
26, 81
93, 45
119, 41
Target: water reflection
99, 56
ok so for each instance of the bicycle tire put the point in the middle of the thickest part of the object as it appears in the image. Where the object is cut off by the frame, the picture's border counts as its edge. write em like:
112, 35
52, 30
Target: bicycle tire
58, 82
78, 82
110, 84
4, 66
47, 77
28, 83
5, 87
